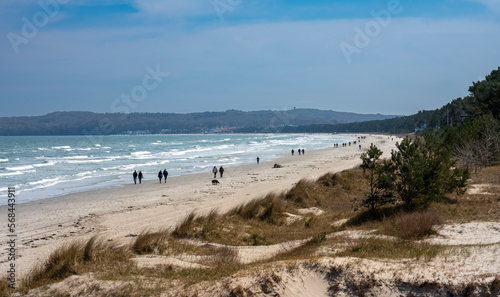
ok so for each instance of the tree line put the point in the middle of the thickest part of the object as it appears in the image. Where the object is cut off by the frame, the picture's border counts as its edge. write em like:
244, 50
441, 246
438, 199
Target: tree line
82, 123
438, 160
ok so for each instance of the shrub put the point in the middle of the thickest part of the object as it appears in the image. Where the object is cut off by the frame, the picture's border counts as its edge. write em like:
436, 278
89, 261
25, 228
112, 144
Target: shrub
380, 177
425, 171
415, 225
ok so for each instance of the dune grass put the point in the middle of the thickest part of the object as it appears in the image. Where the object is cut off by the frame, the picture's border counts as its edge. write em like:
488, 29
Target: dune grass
373, 247
76, 258
4, 286
264, 221
149, 242
415, 225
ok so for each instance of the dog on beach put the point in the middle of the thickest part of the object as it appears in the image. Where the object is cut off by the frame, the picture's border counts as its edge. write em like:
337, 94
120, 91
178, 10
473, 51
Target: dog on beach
215, 182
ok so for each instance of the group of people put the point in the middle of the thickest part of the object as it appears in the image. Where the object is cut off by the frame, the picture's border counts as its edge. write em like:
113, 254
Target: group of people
346, 144
137, 175
220, 170
140, 176
163, 174
300, 151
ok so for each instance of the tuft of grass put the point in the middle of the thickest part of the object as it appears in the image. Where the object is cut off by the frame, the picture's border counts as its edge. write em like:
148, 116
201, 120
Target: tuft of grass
248, 210
373, 215
389, 249
60, 264
414, 225
4, 286
184, 229
75, 258
151, 242
210, 222
317, 239
225, 256
306, 193
268, 209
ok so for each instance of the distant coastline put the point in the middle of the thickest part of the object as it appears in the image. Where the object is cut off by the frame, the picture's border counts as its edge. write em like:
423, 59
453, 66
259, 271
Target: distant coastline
230, 121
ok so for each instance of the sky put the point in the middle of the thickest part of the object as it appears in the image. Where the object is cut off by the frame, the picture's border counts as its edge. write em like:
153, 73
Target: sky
178, 56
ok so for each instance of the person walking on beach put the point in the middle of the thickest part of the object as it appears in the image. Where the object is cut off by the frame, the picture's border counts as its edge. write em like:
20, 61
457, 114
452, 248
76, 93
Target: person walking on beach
258, 159
221, 171
135, 176
302, 152
299, 152
140, 176
165, 174
160, 175
214, 171
293, 152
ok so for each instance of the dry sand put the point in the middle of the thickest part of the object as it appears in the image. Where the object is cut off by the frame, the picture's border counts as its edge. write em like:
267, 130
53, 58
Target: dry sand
120, 213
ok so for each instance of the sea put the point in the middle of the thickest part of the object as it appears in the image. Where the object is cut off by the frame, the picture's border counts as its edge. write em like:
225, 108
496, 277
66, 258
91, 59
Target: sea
41, 167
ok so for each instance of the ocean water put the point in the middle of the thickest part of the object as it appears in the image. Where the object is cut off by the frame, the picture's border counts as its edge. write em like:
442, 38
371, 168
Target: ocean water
47, 166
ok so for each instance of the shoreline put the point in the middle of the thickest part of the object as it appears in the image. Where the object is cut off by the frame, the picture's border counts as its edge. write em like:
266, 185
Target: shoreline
118, 213
100, 179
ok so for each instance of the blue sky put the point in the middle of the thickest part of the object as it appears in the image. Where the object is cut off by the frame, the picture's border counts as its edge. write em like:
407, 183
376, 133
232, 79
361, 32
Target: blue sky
376, 56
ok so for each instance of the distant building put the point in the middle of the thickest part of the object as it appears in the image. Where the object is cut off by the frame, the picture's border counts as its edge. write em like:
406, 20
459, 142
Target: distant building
222, 129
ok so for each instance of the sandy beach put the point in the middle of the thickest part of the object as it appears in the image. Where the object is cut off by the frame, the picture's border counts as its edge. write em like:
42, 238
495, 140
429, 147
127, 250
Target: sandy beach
118, 214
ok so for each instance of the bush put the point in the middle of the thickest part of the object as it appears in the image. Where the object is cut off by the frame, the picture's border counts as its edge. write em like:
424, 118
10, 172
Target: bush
425, 171
415, 225
380, 177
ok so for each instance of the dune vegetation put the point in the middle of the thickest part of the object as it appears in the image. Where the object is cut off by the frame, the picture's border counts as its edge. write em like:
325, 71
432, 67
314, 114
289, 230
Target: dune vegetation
316, 216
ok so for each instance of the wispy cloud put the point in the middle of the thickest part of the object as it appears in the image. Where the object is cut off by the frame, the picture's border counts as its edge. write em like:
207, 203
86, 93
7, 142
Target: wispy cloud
283, 57
174, 8
493, 5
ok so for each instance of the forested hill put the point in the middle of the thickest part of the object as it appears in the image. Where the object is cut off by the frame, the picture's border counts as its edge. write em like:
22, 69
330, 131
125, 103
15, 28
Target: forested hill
484, 99
84, 123
448, 114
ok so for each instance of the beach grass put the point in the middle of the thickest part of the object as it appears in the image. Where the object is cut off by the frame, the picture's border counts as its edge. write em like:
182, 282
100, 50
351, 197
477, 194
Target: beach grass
149, 242
275, 218
76, 258
414, 225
